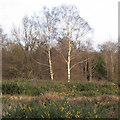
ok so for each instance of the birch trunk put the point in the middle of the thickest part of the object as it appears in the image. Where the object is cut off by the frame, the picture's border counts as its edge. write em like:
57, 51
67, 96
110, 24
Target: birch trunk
50, 64
50, 61
68, 63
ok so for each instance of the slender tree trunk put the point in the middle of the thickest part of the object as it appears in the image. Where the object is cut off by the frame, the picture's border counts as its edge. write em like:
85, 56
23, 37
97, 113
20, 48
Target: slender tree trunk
68, 63
50, 61
86, 70
107, 66
90, 71
112, 67
107, 70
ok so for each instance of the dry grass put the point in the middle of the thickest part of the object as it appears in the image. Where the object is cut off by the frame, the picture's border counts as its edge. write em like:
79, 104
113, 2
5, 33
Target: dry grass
55, 96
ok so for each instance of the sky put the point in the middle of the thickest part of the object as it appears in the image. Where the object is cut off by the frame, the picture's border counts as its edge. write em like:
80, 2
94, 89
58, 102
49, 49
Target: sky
102, 15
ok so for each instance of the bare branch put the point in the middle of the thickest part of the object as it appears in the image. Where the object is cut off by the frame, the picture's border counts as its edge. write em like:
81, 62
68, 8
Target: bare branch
44, 49
79, 63
61, 55
73, 57
40, 63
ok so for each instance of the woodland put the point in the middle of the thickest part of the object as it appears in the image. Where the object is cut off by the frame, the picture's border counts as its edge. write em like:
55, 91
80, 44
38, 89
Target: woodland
53, 45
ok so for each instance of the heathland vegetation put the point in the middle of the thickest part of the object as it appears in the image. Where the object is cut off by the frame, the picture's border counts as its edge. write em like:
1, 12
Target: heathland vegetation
50, 68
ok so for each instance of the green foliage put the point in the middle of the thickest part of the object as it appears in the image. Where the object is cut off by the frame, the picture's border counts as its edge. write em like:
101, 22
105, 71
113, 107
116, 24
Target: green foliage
49, 108
21, 87
100, 68
27, 87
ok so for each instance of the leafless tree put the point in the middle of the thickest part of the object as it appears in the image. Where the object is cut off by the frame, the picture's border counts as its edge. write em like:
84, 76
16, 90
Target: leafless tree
26, 38
73, 28
46, 33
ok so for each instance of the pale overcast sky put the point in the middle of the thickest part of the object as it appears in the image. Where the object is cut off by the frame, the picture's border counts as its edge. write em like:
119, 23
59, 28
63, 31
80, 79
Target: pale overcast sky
102, 15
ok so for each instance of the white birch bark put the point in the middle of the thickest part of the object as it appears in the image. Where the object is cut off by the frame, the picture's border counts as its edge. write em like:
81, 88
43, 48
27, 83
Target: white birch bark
49, 57
50, 64
68, 63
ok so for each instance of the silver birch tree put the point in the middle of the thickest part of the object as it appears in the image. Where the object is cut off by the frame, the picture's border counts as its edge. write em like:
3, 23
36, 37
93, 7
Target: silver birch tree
73, 28
47, 29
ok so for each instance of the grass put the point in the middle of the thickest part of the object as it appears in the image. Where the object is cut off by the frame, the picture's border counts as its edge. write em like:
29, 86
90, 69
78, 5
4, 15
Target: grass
47, 99
62, 88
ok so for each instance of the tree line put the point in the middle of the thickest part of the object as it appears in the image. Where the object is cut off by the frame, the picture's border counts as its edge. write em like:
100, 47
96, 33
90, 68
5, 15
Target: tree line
49, 45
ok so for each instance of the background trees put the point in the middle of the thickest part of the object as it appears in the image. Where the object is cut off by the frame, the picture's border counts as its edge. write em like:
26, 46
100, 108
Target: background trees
49, 46
109, 51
